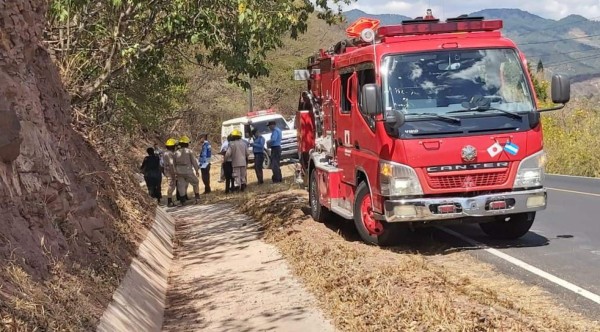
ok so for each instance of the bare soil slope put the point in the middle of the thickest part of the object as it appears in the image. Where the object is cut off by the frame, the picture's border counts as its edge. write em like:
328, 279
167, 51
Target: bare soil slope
66, 233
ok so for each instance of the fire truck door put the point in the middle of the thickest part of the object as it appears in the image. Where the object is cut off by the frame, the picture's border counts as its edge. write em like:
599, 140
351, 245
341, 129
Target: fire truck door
343, 125
363, 125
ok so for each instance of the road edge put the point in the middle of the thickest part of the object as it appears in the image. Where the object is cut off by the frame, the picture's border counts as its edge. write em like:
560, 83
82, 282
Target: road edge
139, 302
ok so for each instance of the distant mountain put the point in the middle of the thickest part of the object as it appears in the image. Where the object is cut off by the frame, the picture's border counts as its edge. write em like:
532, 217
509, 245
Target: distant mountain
570, 45
385, 19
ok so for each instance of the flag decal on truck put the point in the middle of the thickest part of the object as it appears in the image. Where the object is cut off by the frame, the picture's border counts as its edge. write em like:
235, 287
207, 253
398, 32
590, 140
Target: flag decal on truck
511, 148
495, 149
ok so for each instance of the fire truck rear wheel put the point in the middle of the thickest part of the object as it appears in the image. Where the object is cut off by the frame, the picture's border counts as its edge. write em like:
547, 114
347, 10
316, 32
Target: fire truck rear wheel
509, 227
372, 231
318, 212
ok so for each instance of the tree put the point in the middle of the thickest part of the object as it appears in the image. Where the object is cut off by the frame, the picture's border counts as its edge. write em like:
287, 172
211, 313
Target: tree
540, 67
100, 44
540, 86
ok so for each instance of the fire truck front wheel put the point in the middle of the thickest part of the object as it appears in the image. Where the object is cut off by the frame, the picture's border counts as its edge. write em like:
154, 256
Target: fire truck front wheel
509, 227
371, 230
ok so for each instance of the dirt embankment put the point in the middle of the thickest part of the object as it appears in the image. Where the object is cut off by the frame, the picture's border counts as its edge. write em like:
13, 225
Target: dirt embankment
68, 224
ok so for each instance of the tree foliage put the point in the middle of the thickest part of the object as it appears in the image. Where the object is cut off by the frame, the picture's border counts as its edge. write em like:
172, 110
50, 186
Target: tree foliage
212, 100
101, 46
539, 85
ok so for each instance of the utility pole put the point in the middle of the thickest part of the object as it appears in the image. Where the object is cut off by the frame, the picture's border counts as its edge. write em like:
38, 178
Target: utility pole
250, 102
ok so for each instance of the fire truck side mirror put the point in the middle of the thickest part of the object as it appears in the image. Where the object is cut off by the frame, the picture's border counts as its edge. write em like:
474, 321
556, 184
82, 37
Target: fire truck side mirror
371, 99
561, 89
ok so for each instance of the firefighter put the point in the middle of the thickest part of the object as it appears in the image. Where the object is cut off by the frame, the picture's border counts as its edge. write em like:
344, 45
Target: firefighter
238, 152
169, 169
187, 169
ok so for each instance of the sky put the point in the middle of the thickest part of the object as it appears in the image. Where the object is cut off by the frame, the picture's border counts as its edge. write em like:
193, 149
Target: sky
553, 9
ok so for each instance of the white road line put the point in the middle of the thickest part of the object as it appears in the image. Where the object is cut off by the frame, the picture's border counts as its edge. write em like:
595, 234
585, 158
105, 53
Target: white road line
573, 176
563, 283
574, 192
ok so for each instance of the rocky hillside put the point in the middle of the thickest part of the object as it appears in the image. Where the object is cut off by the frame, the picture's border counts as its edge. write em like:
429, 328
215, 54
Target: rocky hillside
66, 234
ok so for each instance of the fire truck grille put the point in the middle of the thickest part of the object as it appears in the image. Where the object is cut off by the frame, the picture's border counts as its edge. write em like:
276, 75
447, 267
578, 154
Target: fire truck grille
467, 181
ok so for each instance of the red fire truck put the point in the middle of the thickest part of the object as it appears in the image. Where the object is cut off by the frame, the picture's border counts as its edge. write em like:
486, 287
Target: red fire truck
423, 123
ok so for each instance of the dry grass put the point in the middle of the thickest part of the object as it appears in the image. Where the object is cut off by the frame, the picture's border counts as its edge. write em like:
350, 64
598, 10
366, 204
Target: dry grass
71, 299
571, 140
420, 287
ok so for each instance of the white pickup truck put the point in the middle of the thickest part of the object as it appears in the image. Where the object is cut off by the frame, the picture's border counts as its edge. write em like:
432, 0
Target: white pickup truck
259, 120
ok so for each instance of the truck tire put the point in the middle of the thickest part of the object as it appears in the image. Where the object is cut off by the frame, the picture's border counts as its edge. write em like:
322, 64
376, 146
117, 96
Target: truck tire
372, 231
509, 227
317, 211
267, 161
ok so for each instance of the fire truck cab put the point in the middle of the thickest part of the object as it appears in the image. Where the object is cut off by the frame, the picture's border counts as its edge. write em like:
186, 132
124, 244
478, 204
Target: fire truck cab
423, 123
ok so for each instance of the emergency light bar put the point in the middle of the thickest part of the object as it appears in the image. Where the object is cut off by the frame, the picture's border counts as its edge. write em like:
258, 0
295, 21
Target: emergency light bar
259, 113
424, 28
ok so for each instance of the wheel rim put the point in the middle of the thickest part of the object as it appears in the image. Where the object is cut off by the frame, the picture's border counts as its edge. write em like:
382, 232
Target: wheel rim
373, 226
314, 199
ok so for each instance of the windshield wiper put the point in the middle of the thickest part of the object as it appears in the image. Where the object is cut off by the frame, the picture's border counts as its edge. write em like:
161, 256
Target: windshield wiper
485, 109
438, 116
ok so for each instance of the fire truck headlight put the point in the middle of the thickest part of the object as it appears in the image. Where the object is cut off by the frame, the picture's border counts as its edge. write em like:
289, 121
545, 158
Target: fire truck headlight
531, 171
398, 180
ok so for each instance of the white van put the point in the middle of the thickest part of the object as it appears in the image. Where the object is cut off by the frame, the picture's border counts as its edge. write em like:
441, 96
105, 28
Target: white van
259, 120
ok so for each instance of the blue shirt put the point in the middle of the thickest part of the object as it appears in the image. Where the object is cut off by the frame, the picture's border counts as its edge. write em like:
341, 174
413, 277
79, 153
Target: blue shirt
258, 146
205, 154
224, 146
276, 137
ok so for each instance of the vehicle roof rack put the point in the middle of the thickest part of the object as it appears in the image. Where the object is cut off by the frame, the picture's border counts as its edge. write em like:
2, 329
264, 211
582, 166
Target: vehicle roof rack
463, 18
421, 20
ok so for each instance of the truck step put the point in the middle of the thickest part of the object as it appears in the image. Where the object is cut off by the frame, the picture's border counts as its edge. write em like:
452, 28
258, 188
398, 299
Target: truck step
337, 206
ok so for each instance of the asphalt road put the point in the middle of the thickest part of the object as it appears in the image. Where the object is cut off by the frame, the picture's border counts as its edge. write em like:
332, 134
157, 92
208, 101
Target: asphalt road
564, 241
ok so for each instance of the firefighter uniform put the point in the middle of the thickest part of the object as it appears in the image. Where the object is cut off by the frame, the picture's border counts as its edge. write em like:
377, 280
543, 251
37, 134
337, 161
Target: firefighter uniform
238, 152
169, 168
186, 168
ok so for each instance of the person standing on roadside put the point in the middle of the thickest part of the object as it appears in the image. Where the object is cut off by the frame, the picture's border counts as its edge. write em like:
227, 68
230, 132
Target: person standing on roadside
238, 152
224, 145
227, 166
275, 145
169, 169
258, 148
159, 153
204, 161
152, 174
187, 169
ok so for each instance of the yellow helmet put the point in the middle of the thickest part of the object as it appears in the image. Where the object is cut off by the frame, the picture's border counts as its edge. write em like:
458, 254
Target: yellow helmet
236, 132
171, 142
184, 140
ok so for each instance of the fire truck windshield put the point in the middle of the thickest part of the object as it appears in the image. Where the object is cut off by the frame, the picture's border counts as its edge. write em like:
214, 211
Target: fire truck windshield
455, 82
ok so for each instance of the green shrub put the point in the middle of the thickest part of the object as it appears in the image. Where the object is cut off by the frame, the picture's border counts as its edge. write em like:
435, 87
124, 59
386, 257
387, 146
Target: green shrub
572, 140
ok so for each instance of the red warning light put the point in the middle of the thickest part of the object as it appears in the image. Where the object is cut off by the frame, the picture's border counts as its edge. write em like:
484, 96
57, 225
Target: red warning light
429, 15
433, 28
